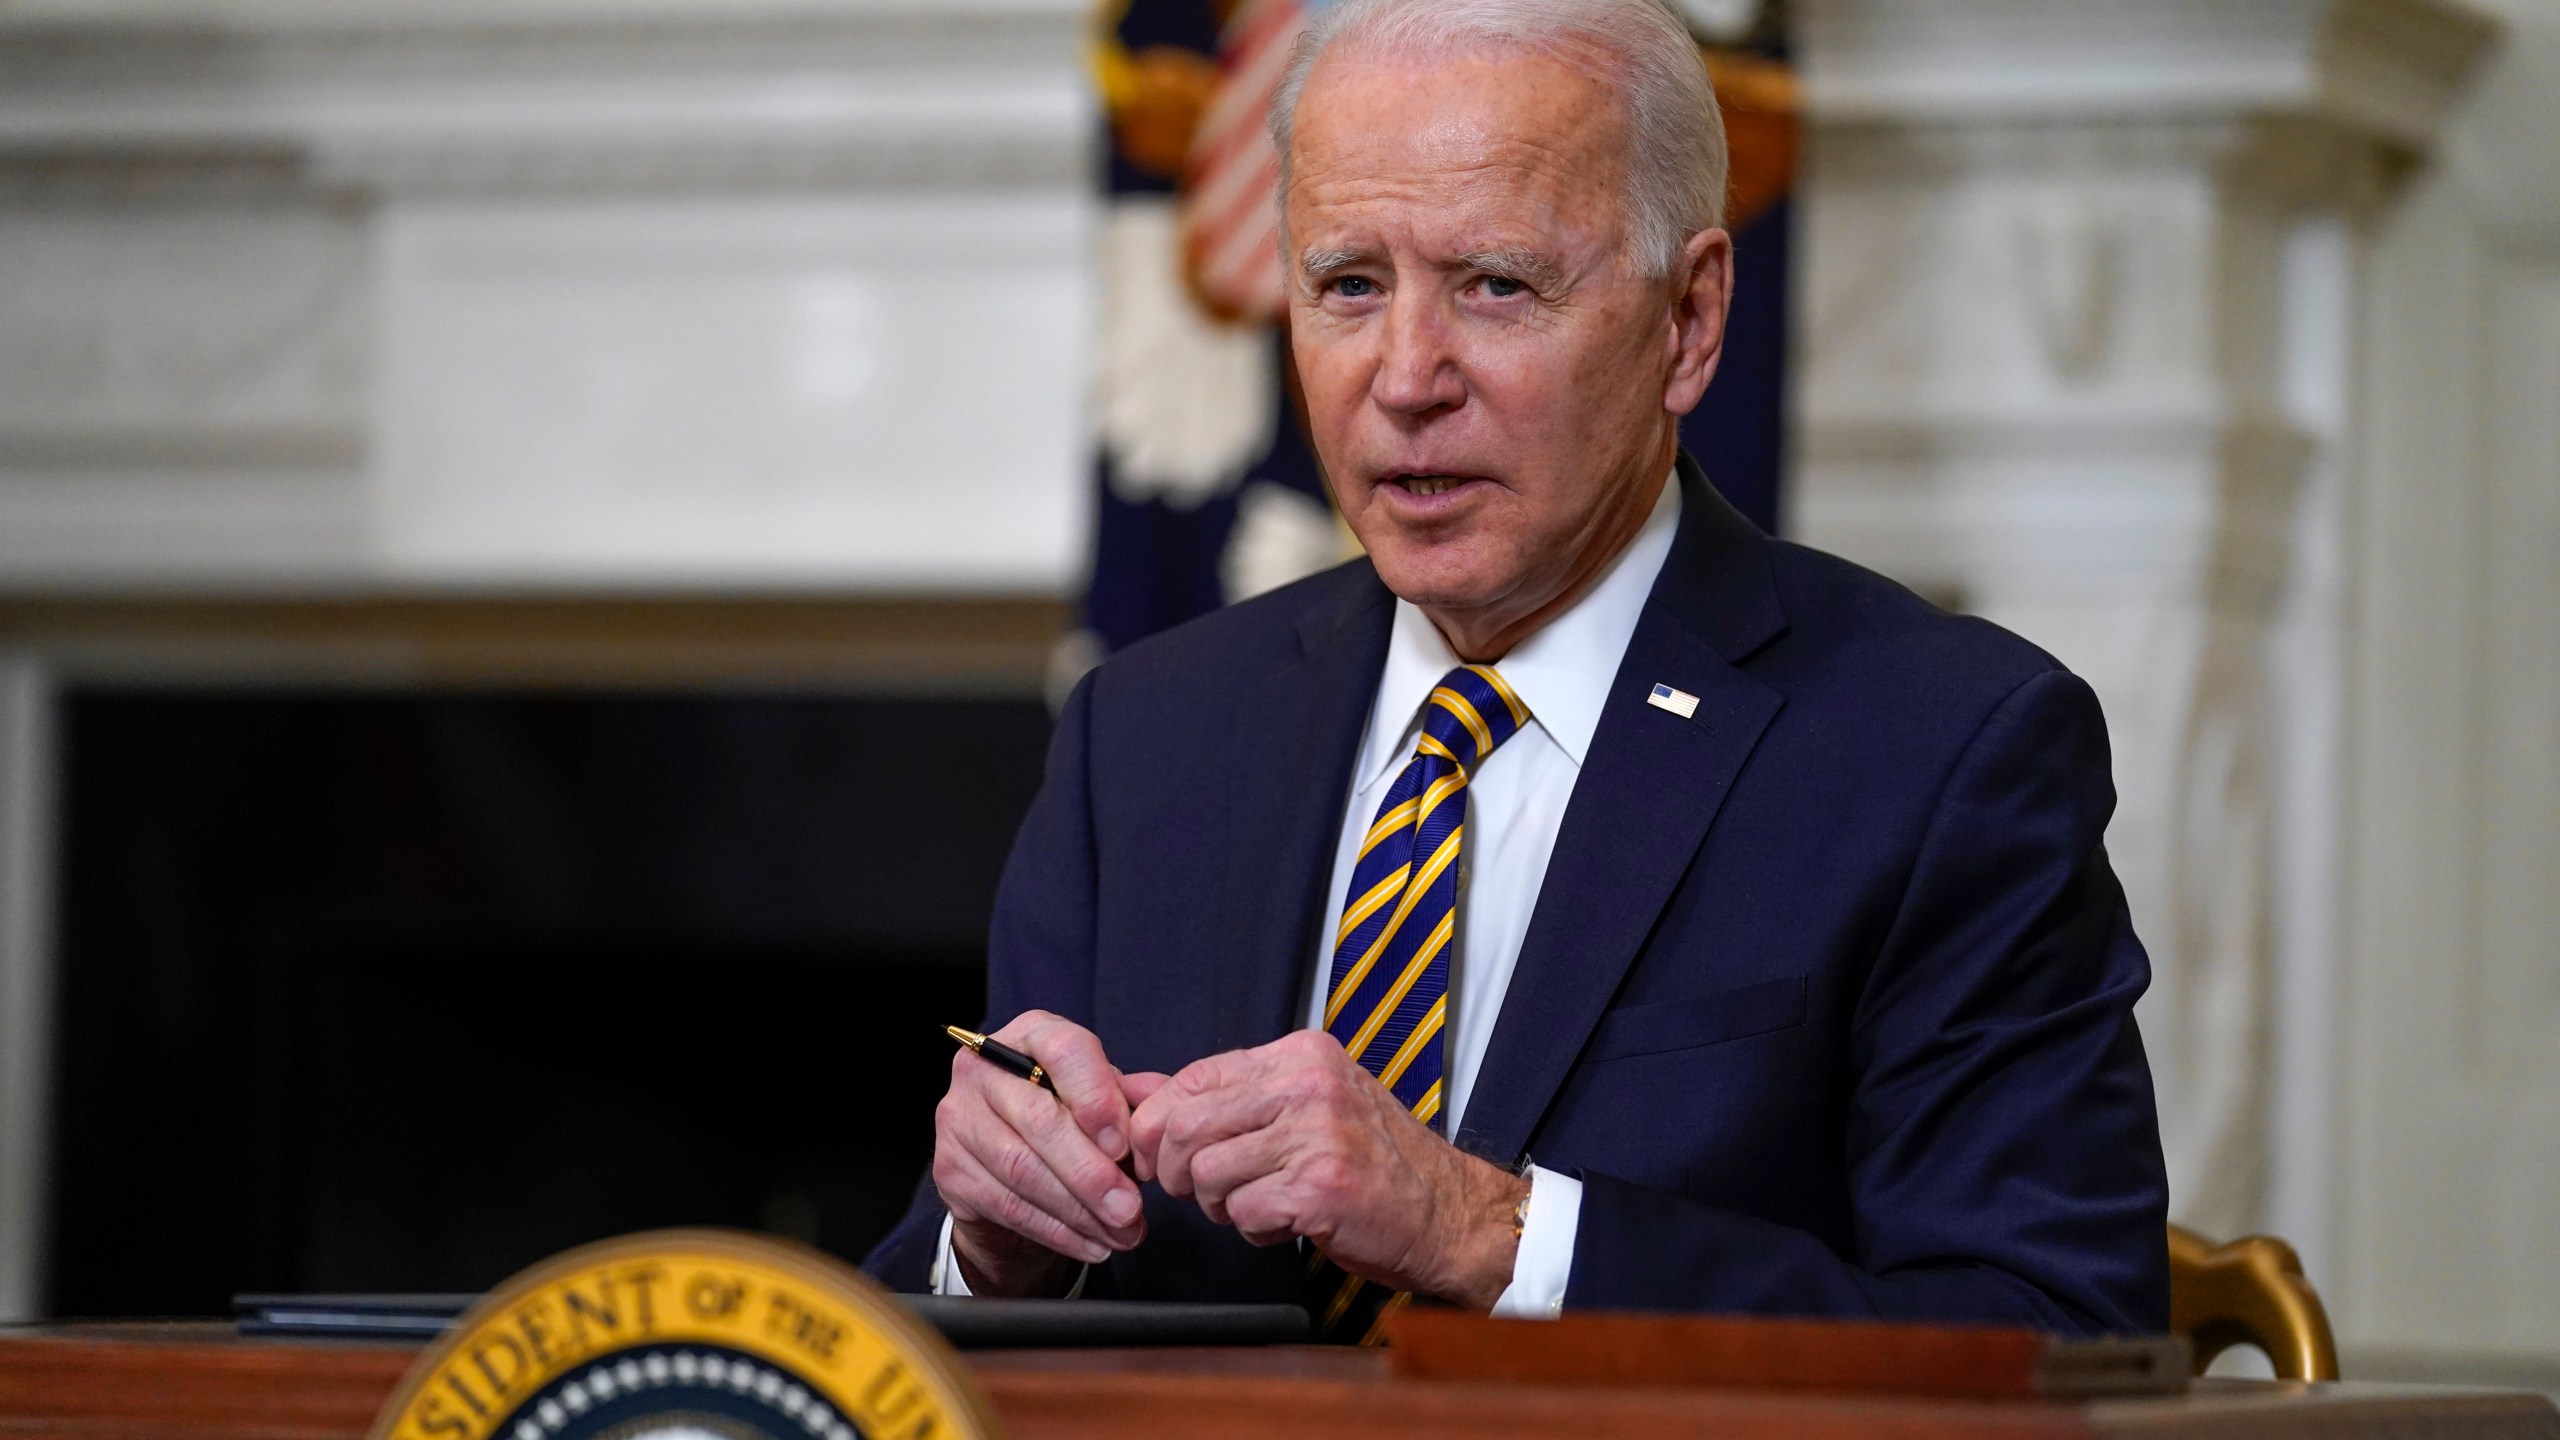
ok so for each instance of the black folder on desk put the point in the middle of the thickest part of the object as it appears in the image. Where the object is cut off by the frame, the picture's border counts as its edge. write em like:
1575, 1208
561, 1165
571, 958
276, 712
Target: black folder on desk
969, 1324
350, 1317
973, 1324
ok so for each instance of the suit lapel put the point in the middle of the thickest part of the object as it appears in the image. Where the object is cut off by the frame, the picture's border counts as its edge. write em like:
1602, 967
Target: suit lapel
1651, 786
1296, 735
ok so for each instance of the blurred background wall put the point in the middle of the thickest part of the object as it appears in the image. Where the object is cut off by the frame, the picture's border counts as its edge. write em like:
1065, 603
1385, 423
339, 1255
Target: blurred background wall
533, 538
530, 541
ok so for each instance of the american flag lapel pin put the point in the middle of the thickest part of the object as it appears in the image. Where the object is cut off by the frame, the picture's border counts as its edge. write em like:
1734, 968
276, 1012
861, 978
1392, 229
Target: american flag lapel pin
1678, 702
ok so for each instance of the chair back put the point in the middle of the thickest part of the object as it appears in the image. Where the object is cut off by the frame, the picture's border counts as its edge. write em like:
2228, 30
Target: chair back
2249, 1292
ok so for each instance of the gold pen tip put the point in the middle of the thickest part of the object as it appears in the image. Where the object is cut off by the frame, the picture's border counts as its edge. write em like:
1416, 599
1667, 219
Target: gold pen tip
970, 1038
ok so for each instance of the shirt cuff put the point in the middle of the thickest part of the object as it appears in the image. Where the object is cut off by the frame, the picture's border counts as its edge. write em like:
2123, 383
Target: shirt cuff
946, 1279
1545, 1263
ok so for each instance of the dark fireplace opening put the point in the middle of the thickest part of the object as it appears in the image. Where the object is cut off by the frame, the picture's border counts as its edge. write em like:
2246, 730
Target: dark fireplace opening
403, 992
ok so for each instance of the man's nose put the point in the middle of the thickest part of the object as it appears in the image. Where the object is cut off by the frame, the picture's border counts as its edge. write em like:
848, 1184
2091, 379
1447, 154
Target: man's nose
1418, 372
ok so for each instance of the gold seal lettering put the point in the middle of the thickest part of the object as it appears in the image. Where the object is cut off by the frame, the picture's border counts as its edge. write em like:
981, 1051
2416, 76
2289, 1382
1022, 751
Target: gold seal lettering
534, 1324
591, 1312
654, 1298
517, 1364
714, 1297
789, 1319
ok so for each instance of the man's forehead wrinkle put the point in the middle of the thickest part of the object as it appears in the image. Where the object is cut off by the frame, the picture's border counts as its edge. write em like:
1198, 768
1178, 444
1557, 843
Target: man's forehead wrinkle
1480, 104
1511, 183
1535, 234
1530, 241
1502, 182
1460, 146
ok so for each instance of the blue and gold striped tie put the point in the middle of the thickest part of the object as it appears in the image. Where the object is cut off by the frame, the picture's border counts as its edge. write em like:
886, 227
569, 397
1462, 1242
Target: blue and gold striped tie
1388, 1000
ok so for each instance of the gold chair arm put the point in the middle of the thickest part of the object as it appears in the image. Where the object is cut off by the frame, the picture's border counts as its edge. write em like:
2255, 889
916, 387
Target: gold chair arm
2249, 1292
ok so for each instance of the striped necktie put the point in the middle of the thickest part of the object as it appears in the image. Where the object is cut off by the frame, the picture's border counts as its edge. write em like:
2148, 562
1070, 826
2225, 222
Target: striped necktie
1388, 999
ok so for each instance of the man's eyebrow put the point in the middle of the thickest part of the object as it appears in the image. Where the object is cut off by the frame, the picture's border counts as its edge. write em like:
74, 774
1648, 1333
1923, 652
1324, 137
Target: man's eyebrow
1512, 262
1516, 262
1316, 265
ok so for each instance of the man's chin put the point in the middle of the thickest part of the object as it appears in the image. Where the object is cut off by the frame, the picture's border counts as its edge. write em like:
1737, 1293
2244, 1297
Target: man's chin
1440, 586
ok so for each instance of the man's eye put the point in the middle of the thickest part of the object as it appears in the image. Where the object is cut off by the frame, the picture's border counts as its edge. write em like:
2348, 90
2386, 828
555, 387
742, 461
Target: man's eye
1354, 286
1502, 287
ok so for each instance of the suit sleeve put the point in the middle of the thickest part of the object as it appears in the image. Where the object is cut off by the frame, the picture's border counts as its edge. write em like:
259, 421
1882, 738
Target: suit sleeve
2003, 1148
1039, 950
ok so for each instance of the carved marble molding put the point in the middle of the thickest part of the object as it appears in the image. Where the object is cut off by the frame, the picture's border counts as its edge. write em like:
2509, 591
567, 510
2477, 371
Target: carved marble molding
2051, 317
2000, 510
2391, 67
2053, 229
551, 96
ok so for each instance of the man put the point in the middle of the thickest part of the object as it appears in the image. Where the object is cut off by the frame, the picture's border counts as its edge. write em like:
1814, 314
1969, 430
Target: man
1739, 920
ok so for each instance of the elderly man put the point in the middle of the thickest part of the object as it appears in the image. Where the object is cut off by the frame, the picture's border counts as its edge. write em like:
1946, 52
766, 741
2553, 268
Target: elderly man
1584, 900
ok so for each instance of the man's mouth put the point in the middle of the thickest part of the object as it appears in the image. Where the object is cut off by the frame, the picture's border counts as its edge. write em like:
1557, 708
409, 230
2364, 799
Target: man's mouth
1428, 483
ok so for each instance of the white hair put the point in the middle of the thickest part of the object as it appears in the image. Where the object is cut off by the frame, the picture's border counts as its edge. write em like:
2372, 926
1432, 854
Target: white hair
1675, 136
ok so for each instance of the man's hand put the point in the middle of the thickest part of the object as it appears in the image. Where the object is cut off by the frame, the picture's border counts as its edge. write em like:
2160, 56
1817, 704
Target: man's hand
1032, 1180
1294, 1138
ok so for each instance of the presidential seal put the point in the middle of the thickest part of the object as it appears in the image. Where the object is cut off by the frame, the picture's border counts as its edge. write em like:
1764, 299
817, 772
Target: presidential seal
688, 1335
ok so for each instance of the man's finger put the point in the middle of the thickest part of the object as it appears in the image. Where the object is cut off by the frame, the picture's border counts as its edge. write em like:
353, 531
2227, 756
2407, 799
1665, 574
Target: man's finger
973, 1194
1200, 1077
1017, 1168
1139, 1088
1095, 1185
1220, 1169
1190, 1123
1264, 1210
1086, 1081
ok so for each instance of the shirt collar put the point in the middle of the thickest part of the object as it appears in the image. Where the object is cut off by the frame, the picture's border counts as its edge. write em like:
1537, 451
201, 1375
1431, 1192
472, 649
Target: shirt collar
1562, 672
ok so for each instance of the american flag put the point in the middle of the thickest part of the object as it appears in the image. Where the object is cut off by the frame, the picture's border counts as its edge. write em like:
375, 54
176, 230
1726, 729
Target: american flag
1230, 224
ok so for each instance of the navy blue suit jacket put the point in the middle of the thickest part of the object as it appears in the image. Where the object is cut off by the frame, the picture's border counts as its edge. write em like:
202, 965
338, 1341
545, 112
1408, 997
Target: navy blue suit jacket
1827, 998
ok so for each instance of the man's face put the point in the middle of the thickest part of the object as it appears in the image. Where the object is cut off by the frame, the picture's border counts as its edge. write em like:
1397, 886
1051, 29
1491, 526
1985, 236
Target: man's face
1492, 385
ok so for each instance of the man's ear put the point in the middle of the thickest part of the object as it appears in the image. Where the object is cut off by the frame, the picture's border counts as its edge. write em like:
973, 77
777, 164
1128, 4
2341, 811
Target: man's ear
1698, 313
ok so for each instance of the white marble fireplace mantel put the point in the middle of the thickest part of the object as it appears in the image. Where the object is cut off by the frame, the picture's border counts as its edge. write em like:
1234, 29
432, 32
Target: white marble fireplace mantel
300, 296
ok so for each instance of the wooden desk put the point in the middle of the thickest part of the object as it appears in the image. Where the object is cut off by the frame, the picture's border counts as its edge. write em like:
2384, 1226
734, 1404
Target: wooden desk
200, 1382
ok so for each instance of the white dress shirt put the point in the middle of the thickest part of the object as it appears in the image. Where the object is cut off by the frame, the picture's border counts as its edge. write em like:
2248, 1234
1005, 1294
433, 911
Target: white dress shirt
1515, 804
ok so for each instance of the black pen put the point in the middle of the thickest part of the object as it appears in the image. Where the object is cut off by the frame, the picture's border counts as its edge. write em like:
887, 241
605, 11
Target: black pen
1002, 1056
